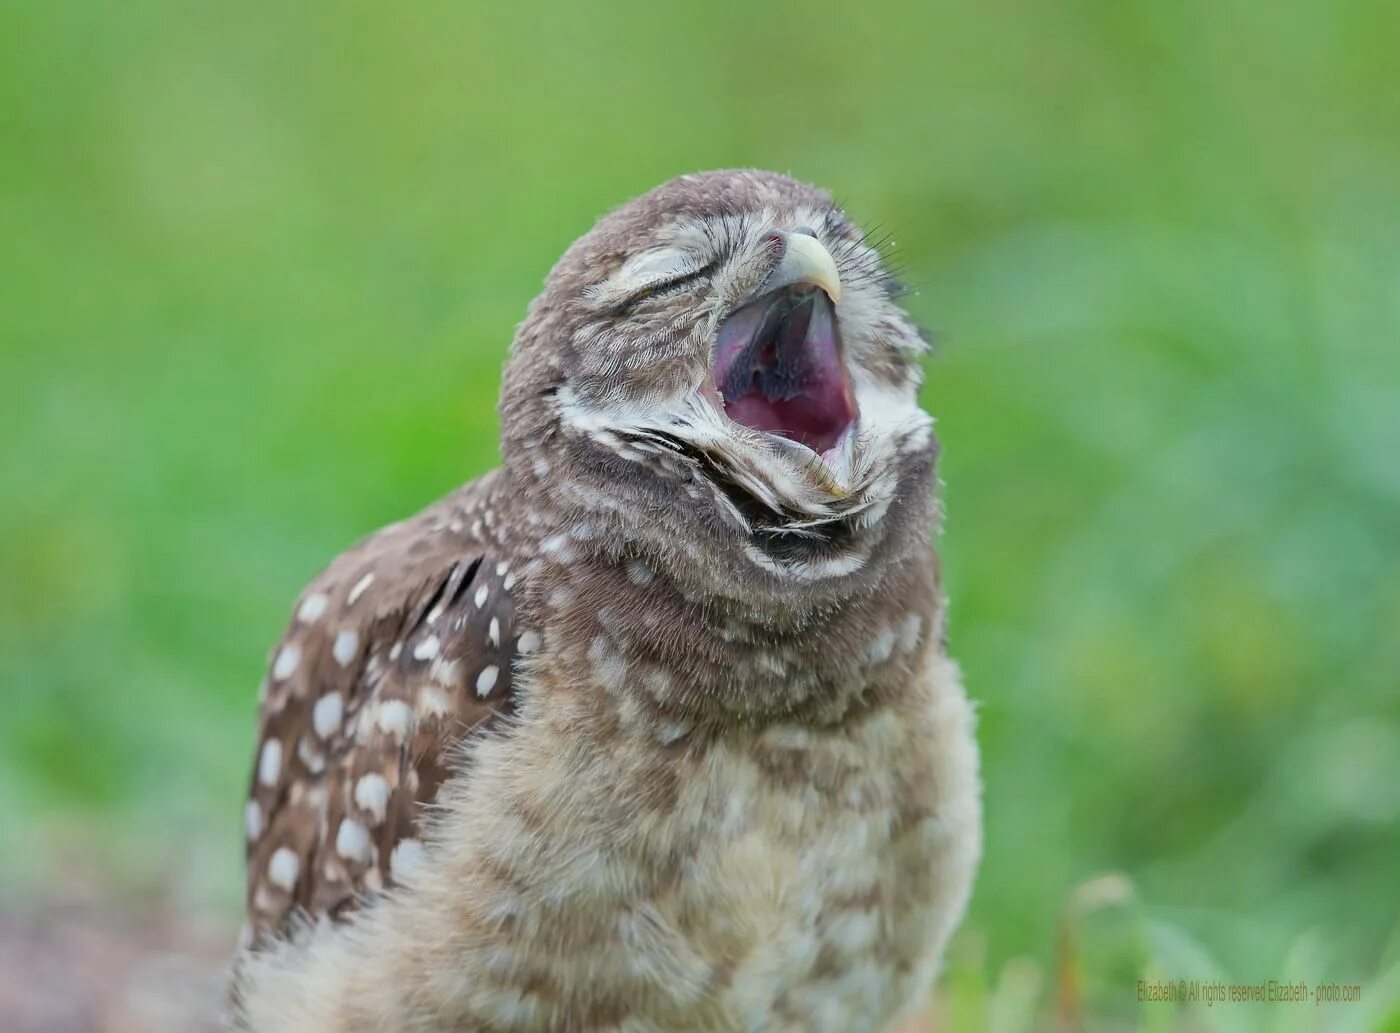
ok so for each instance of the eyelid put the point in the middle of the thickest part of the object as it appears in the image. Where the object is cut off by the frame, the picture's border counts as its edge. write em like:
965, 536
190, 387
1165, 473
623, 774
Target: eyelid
658, 265
674, 278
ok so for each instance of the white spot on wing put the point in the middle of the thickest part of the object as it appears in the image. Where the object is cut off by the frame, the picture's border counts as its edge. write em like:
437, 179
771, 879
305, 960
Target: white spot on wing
427, 649
359, 589
394, 718
493, 634
326, 714
486, 680
252, 820
283, 867
270, 762
433, 702
372, 794
287, 661
528, 642
312, 607
352, 841
347, 644
313, 758
444, 672
481, 594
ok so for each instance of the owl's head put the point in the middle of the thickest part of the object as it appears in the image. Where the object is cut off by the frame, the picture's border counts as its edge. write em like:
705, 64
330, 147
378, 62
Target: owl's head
719, 375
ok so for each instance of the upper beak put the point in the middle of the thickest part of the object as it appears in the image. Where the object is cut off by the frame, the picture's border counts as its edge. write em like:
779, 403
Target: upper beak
804, 261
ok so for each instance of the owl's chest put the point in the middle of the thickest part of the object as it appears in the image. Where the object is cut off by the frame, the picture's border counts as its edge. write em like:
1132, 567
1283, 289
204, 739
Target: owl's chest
808, 893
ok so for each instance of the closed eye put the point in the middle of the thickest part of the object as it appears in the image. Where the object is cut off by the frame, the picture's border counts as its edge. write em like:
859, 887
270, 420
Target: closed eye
664, 286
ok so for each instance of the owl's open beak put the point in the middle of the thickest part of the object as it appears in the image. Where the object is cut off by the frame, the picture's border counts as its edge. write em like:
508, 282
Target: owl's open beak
779, 364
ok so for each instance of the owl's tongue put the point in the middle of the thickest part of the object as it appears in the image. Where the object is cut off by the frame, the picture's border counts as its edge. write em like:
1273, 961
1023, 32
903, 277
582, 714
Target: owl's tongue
779, 368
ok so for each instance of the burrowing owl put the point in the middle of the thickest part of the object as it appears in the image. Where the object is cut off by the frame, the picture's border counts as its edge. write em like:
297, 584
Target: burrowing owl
653, 727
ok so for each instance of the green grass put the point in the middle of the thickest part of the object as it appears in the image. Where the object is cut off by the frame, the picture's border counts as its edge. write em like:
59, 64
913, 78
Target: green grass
260, 266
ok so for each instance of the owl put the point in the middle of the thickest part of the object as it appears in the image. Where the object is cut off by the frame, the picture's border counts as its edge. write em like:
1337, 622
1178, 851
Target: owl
652, 727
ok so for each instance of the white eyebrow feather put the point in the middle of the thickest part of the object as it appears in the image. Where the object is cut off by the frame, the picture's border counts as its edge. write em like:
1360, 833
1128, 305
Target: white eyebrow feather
646, 268
655, 263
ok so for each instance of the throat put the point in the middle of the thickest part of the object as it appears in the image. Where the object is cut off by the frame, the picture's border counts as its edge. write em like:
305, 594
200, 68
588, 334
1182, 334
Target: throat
693, 660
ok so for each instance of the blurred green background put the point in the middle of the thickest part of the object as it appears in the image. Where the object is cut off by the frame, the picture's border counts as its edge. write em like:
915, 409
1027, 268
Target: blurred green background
260, 264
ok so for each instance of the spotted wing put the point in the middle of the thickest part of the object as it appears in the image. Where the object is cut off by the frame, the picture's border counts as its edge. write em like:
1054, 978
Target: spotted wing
402, 647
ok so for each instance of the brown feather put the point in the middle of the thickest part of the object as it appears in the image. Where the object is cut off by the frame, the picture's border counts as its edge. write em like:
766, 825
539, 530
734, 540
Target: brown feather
414, 631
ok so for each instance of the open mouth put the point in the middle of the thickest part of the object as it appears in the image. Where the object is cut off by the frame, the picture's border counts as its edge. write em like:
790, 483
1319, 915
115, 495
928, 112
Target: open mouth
780, 369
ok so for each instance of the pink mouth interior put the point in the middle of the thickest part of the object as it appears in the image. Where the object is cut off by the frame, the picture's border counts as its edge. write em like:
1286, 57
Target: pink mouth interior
779, 368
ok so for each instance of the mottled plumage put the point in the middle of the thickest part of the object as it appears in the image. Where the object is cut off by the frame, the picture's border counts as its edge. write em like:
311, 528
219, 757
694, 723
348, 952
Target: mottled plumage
652, 728
404, 645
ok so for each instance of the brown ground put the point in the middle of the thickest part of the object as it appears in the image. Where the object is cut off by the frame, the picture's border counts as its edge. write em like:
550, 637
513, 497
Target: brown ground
67, 968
